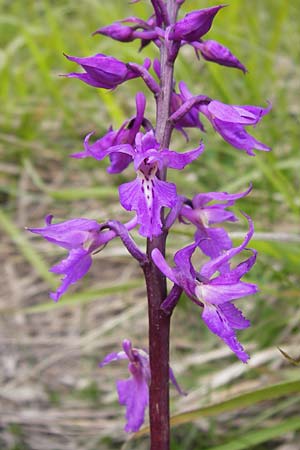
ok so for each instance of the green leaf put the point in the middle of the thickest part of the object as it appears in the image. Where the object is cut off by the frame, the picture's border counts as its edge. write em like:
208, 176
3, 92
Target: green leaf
82, 297
27, 250
235, 403
258, 437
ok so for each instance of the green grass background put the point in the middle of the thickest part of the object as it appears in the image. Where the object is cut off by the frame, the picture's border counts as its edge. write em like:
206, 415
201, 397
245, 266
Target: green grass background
44, 118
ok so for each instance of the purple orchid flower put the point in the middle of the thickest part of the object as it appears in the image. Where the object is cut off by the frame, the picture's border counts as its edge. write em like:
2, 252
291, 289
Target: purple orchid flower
81, 237
214, 293
212, 241
194, 24
148, 194
125, 135
218, 53
229, 122
134, 392
104, 71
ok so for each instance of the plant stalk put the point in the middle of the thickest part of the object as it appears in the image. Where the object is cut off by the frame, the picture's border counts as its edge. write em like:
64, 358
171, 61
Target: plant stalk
159, 321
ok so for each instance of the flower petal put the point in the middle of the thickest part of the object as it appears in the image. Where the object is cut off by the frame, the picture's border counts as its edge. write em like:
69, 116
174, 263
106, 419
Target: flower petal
74, 267
218, 53
134, 394
69, 234
163, 266
237, 136
218, 294
115, 356
178, 161
220, 322
147, 202
209, 268
213, 241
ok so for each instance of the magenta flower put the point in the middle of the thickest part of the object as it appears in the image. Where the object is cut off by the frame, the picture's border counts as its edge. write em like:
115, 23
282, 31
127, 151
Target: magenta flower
125, 135
201, 213
147, 194
81, 237
134, 392
229, 121
214, 293
104, 71
194, 24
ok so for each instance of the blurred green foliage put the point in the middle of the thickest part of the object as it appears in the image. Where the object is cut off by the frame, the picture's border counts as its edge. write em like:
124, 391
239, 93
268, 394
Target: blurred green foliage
44, 118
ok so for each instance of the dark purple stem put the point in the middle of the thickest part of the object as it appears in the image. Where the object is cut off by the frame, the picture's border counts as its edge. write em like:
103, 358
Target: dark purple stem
159, 321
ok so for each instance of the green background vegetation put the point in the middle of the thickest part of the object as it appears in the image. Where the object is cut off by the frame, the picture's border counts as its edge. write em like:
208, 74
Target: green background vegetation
56, 347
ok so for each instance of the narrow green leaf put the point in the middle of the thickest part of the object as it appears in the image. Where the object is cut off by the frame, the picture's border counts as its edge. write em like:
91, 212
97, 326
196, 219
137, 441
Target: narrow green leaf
246, 441
82, 297
240, 401
235, 403
83, 193
27, 250
295, 361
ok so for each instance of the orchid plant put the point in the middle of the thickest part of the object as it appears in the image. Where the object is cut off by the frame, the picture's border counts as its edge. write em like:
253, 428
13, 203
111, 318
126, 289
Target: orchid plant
157, 205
